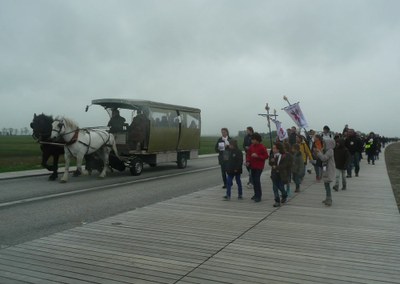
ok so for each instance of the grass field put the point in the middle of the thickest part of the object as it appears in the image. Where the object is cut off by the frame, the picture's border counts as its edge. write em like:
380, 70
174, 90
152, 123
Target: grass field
19, 153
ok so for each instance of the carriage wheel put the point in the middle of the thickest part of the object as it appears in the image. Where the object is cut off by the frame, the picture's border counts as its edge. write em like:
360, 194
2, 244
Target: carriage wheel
182, 161
136, 166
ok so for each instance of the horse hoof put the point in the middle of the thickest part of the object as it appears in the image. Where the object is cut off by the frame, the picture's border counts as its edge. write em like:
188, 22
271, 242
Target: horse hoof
52, 178
77, 173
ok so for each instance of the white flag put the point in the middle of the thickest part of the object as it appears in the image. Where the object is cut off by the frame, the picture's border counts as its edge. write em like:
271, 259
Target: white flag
280, 131
297, 115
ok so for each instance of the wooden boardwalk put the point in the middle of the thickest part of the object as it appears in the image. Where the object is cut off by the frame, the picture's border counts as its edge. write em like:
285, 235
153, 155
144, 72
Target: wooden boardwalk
199, 238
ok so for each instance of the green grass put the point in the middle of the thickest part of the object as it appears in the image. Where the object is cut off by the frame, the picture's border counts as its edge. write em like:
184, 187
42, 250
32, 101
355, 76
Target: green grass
207, 144
19, 153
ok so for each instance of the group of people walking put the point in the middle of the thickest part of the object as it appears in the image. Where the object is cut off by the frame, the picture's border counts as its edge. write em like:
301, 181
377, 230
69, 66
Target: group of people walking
333, 157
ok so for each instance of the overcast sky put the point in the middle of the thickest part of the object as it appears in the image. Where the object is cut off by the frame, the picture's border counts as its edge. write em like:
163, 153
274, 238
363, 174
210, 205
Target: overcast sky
339, 59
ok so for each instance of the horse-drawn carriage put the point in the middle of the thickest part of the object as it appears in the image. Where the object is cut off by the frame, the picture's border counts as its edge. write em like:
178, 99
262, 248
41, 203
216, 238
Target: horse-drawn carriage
154, 133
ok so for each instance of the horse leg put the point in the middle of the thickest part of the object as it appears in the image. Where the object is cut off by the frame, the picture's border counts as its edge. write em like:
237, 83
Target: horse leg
67, 157
79, 159
45, 157
105, 153
54, 175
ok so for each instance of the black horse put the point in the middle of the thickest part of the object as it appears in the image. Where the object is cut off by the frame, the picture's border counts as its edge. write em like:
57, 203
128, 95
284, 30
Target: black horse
42, 126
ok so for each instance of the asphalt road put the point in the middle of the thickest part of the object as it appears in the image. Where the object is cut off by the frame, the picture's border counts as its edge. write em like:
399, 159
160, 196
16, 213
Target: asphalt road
34, 207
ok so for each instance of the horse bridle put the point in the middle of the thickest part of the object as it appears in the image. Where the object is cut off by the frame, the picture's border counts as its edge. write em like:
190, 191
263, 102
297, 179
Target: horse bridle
60, 126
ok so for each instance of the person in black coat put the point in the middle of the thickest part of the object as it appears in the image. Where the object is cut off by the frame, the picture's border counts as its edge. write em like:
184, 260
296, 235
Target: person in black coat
234, 169
371, 147
355, 146
246, 146
222, 147
342, 159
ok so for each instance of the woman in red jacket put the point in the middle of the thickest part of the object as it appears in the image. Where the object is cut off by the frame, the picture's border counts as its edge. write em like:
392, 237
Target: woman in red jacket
255, 159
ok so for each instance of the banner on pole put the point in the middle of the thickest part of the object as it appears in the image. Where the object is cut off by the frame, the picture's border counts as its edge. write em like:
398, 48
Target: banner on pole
296, 114
280, 131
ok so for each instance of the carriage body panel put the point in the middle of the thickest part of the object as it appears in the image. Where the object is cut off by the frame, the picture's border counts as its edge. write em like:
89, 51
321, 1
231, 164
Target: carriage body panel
156, 132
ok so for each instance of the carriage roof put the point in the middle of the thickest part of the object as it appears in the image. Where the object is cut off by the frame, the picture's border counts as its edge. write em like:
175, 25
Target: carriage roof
139, 104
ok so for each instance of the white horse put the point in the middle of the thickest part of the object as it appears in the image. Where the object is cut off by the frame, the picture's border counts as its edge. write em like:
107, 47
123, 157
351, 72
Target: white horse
81, 142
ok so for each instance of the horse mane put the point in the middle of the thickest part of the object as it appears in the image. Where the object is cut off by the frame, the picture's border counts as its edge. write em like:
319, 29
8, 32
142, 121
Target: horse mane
68, 122
46, 118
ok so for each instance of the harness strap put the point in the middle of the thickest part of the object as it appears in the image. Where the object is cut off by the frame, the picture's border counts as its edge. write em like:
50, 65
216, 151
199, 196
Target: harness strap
74, 138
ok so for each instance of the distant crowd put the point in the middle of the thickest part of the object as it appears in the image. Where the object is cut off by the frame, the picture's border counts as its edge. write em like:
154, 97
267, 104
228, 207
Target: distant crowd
334, 157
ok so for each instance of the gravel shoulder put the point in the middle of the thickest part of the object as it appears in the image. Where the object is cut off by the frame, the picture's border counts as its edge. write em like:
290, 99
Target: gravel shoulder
392, 158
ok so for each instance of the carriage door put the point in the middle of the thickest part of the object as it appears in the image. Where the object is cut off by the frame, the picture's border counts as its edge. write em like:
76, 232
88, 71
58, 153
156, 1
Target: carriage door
164, 130
190, 130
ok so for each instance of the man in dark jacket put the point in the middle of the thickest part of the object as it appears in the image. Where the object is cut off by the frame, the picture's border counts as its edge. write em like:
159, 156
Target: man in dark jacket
355, 146
342, 159
234, 169
371, 145
222, 148
246, 146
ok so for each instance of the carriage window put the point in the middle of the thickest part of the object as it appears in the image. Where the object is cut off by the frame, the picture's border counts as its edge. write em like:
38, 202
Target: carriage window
191, 120
125, 113
164, 118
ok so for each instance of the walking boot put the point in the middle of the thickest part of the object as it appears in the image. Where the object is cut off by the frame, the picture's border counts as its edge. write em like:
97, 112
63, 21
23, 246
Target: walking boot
335, 187
328, 202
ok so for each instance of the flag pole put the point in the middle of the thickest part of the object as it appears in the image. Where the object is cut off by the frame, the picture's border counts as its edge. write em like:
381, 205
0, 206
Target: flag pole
286, 99
268, 116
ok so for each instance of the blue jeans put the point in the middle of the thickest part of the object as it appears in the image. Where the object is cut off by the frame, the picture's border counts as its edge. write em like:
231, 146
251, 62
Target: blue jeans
256, 176
328, 190
277, 185
318, 171
230, 183
354, 162
371, 158
297, 180
339, 173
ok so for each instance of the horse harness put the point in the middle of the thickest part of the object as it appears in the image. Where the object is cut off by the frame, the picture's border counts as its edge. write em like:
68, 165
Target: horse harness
76, 134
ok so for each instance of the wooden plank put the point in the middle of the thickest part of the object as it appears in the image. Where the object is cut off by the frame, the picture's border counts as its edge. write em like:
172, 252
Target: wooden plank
199, 238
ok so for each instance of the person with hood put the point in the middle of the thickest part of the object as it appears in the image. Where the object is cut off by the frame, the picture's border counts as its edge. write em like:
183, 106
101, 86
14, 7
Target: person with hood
370, 148
326, 133
279, 173
222, 148
328, 168
342, 159
289, 157
297, 166
246, 146
234, 170
355, 146
318, 143
255, 159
